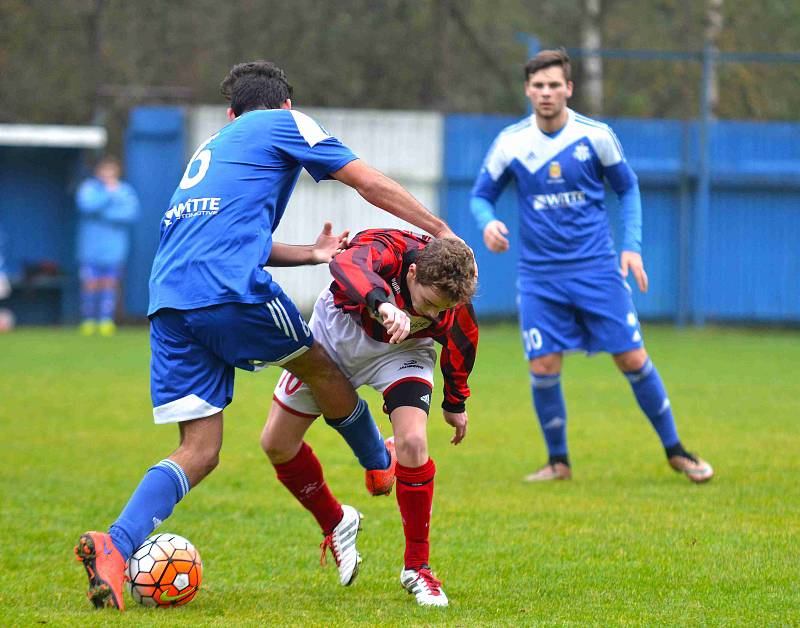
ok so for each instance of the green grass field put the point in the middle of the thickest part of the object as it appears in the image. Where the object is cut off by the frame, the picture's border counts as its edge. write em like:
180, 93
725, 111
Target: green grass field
626, 542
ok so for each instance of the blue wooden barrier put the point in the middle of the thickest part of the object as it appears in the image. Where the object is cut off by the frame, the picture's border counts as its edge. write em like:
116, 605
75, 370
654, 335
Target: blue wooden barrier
750, 267
155, 158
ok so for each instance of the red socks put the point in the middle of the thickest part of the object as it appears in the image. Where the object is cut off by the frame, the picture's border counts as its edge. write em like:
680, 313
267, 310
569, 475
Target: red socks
302, 475
415, 497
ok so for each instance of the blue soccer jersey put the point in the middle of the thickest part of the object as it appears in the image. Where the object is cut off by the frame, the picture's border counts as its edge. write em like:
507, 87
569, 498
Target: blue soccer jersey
216, 235
559, 179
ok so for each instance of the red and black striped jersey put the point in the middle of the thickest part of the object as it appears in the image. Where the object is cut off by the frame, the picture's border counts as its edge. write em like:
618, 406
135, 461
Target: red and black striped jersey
372, 270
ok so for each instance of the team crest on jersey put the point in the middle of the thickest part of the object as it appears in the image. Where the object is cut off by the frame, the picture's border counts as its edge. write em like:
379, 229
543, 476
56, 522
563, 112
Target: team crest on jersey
554, 173
581, 152
419, 323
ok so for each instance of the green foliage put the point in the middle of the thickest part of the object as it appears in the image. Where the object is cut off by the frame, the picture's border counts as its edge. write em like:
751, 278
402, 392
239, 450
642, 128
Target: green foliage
626, 542
78, 61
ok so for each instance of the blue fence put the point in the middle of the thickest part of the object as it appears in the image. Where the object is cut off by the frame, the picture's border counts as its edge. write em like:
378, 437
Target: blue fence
748, 267
155, 157
745, 267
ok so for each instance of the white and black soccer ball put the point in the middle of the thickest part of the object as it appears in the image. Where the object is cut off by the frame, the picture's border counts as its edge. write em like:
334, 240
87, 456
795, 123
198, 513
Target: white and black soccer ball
165, 571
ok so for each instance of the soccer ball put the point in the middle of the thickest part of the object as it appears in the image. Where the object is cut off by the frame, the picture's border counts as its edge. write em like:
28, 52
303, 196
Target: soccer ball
165, 571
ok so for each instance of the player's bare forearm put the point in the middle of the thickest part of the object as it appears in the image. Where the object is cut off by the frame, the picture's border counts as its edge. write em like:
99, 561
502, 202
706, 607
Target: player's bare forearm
290, 254
381, 191
393, 198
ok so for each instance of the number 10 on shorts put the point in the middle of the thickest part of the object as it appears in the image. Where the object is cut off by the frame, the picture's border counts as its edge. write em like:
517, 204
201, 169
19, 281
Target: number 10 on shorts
532, 339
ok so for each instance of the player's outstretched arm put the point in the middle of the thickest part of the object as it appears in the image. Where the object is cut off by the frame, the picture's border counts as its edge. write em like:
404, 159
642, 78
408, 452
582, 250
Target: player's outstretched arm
383, 192
327, 246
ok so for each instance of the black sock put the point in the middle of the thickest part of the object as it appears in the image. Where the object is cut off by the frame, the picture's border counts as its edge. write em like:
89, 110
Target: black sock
562, 458
677, 450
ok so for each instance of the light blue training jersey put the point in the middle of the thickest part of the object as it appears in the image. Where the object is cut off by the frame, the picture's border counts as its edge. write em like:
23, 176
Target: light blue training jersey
216, 235
559, 179
104, 221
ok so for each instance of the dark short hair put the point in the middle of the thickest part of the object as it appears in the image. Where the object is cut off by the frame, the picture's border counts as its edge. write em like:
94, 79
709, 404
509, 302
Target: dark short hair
448, 266
547, 59
255, 85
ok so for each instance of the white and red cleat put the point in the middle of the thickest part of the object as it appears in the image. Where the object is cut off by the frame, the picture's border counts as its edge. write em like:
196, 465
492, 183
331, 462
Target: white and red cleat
424, 586
342, 543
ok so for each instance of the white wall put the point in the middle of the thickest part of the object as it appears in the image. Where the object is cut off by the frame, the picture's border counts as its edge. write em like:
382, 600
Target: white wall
405, 145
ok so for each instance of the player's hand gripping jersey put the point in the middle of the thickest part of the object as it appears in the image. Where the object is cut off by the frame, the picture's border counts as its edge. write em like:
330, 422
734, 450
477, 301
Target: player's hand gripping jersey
371, 271
559, 179
216, 235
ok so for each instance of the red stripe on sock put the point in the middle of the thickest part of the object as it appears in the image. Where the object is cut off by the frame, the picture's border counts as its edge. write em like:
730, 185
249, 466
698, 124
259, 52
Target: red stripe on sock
415, 498
302, 475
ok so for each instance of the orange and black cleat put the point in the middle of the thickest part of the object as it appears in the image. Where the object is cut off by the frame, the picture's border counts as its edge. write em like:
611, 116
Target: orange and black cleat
381, 481
105, 567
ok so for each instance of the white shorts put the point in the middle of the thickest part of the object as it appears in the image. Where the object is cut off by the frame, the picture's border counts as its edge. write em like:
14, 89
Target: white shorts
363, 361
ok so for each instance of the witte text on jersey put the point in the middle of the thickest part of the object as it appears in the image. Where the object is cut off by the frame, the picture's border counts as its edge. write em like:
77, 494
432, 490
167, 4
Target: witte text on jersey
558, 200
192, 208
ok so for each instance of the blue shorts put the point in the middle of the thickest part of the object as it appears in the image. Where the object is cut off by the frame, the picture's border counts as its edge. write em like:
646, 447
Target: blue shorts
195, 352
591, 312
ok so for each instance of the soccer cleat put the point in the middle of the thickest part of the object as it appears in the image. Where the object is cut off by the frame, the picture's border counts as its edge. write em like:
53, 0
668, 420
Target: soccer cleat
105, 567
424, 586
107, 328
555, 471
693, 467
381, 481
342, 543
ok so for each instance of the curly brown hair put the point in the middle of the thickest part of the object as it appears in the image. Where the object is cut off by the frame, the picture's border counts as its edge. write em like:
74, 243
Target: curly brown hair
448, 266
255, 85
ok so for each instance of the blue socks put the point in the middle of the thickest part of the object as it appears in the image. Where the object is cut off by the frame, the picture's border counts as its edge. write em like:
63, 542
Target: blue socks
549, 403
361, 433
89, 305
652, 397
98, 305
647, 387
163, 486
107, 302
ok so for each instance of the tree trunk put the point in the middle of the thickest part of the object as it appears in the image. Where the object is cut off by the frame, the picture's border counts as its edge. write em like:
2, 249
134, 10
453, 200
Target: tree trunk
443, 67
712, 33
592, 41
